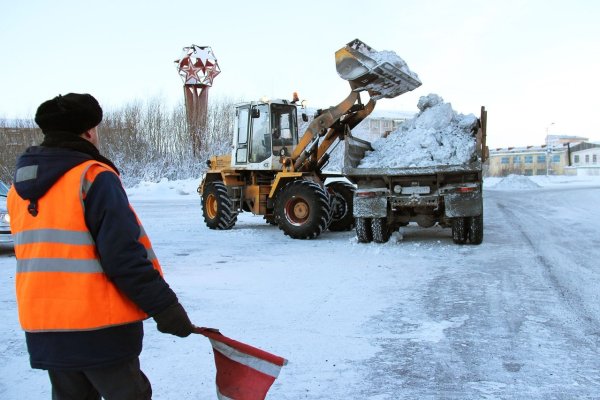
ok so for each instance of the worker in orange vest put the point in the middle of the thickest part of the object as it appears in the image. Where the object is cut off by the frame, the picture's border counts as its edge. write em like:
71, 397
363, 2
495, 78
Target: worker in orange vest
86, 273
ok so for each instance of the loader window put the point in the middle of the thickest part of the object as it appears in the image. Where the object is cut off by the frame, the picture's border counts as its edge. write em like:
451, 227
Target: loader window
261, 138
283, 127
241, 152
243, 126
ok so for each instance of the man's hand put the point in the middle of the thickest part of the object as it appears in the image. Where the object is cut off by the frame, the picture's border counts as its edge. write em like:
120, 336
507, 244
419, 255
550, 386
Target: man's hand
174, 320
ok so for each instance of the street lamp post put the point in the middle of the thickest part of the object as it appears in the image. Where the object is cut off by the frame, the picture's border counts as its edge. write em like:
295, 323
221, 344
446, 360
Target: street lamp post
548, 149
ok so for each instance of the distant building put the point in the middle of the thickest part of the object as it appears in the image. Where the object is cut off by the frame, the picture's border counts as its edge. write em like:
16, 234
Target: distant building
585, 159
553, 140
382, 126
375, 126
529, 160
380, 123
561, 155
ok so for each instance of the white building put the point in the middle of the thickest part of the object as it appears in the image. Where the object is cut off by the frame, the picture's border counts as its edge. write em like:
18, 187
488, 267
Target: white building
585, 159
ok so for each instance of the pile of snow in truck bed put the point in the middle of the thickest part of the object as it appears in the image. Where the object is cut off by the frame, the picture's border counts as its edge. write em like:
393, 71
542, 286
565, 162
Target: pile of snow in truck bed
437, 135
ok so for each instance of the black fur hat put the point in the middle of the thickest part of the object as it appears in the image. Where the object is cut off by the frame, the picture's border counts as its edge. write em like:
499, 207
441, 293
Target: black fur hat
74, 113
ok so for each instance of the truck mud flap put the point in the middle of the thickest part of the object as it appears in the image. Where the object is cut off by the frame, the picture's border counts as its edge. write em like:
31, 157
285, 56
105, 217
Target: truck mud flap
370, 207
463, 204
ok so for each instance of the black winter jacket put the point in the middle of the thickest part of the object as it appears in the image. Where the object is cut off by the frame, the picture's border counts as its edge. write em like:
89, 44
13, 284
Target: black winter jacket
125, 261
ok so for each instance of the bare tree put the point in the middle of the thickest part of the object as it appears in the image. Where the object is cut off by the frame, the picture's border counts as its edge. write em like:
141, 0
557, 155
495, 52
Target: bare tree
146, 140
15, 137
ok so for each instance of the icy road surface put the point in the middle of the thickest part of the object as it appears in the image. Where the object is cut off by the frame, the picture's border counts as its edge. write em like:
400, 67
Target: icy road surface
517, 317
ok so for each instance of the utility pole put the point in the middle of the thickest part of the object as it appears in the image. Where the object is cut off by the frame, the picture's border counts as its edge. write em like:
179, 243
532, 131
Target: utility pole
548, 149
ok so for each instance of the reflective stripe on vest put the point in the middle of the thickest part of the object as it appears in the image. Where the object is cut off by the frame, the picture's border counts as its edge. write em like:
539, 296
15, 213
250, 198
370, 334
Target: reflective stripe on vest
61, 285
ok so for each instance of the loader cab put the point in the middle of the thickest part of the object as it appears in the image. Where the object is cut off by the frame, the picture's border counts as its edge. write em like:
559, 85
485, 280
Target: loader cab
264, 132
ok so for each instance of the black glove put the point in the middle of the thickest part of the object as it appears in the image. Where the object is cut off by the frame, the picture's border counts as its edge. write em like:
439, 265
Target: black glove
174, 320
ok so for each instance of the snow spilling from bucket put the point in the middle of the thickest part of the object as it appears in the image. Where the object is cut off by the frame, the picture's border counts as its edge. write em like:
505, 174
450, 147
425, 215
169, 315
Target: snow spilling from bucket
437, 135
385, 85
392, 58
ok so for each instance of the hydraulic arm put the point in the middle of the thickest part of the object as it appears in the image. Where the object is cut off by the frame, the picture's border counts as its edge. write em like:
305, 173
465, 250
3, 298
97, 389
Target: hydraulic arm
382, 75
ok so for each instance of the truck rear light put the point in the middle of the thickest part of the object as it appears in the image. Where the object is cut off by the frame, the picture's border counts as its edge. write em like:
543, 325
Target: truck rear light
466, 189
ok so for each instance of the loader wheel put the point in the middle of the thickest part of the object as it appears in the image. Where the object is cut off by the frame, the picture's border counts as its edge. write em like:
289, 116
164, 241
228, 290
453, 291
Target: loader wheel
341, 197
380, 230
459, 230
363, 230
217, 207
476, 229
302, 209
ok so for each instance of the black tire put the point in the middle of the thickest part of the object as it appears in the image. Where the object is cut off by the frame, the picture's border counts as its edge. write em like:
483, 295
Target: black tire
302, 209
459, 230
363, 230
217, 207
475, 229
341, 199
380, 230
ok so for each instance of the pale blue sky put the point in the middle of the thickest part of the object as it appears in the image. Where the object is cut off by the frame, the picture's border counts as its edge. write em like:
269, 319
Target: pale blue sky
530, 62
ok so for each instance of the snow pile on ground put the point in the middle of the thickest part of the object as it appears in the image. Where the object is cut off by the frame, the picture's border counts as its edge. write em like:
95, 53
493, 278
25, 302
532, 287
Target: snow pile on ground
437, 135
164, 189
515, 182
543, 181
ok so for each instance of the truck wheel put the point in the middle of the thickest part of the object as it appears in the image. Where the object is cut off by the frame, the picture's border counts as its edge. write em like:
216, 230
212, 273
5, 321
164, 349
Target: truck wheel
363, 230
217, 207
380, 230
341, 196
302, 209
459, 230
476, 229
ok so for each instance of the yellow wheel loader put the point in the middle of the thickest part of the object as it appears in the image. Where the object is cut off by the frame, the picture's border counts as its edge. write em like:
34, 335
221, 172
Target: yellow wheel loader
273, 172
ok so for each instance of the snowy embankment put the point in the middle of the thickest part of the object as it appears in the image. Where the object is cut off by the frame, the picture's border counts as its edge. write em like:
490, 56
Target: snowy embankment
520, 182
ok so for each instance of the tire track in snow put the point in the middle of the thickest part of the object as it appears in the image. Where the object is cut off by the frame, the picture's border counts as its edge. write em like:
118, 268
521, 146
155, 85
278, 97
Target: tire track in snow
572, 300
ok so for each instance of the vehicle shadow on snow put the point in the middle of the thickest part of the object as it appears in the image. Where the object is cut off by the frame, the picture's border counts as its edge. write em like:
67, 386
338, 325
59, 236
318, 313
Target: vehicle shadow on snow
408, 234
416, 234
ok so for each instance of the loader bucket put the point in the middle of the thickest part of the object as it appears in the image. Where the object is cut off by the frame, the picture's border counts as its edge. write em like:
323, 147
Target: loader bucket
382, 74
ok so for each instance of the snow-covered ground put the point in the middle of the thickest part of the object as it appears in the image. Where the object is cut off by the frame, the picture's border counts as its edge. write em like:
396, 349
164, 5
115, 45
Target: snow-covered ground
419, 317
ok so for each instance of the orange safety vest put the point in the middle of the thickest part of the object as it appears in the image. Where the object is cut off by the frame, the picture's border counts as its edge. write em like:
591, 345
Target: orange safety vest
60, 283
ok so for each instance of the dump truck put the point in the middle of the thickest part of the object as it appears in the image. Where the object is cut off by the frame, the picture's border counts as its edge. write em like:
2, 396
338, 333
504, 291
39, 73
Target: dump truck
449, 195
275, 172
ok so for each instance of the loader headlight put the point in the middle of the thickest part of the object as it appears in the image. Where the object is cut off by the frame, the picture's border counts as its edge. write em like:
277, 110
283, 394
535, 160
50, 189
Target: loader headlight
4, 217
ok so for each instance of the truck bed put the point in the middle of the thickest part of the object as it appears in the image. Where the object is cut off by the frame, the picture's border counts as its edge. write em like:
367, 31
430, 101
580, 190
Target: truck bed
411, 171
355, 149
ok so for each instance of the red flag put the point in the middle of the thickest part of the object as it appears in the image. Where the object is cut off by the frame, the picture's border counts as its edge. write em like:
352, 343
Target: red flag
243, 372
